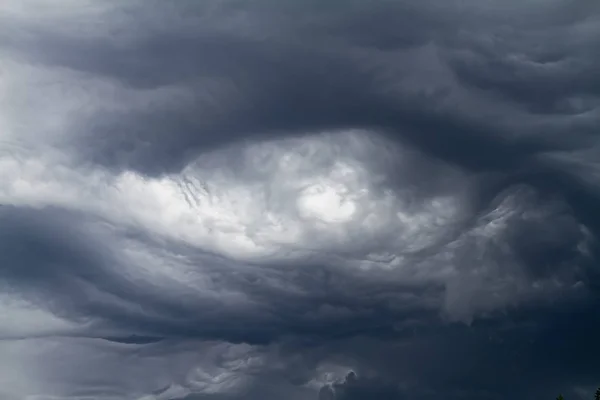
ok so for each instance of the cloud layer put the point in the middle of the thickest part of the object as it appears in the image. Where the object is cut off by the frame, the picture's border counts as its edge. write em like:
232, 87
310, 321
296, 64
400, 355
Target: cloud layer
309, 200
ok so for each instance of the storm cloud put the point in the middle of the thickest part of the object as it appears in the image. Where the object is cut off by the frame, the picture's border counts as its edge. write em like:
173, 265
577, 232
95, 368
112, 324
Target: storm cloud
311, 200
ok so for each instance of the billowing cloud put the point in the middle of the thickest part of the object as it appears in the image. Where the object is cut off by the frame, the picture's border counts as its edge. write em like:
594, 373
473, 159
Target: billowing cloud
309, 200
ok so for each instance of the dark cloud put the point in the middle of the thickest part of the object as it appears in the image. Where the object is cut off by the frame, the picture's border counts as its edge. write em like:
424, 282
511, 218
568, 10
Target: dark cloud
292, 69
301, 200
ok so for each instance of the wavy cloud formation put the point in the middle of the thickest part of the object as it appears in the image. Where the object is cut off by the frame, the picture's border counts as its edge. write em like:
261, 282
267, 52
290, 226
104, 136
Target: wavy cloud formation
309, 200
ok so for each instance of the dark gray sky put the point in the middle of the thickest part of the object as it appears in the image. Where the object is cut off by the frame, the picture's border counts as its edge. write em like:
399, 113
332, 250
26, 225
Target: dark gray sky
299, 199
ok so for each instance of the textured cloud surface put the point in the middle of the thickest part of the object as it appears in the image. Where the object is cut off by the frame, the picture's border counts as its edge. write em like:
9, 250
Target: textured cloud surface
309, 200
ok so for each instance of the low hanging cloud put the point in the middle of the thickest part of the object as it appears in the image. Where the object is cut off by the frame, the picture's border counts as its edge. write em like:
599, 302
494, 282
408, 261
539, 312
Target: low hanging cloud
309, 200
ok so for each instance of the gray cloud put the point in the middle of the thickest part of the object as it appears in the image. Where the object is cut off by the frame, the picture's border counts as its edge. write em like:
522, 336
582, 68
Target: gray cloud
225, 200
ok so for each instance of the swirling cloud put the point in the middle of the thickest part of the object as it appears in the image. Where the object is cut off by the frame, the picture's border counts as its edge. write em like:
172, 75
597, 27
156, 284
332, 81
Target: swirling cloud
302, 200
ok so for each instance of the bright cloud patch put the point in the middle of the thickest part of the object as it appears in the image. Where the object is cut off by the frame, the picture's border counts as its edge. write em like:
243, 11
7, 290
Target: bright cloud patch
295, 195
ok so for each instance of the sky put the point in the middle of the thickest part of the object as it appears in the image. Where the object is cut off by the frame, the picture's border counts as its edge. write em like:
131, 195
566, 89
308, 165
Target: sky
299, 199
